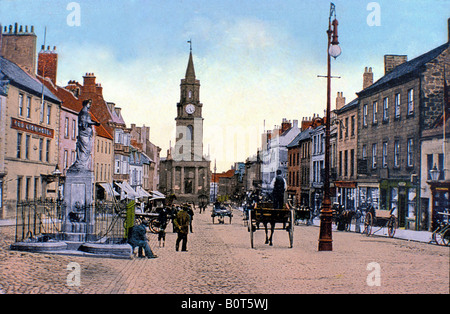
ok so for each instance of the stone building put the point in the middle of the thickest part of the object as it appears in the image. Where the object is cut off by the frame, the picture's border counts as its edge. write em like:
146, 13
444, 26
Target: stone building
393, 112
30, 138
186, 172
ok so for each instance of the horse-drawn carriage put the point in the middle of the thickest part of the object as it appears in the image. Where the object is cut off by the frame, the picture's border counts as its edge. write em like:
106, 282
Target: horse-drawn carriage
221, 212
381, 219
302, 213
265, 214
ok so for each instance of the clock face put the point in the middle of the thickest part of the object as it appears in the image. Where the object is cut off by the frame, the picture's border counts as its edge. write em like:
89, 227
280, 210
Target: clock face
190, 109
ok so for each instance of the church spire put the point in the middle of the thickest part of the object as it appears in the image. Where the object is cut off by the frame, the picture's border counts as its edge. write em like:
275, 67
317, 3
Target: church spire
190, 72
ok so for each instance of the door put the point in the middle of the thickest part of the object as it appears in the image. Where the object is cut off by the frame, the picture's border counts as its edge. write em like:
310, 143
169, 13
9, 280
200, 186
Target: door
402, 207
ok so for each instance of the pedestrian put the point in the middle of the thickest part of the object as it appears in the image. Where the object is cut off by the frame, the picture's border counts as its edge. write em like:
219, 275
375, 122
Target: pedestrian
191, 214
181, 224
279, 186
138, 238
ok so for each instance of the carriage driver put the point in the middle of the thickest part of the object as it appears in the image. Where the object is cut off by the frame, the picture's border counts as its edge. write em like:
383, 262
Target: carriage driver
279, 187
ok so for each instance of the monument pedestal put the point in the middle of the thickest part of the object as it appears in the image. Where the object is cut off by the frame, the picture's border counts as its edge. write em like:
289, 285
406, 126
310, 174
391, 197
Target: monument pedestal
78, 214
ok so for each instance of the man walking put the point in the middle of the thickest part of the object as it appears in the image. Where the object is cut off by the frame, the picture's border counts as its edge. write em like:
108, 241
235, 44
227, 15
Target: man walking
182, 223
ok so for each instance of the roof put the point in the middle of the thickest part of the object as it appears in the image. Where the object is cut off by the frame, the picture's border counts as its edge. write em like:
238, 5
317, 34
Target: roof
22, 80
300, 137
354, 103
190, 72
411, 68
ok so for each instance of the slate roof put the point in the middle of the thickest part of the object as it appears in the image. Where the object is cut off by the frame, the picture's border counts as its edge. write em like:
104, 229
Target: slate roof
348, 106
300, 137
22, 80
411, 68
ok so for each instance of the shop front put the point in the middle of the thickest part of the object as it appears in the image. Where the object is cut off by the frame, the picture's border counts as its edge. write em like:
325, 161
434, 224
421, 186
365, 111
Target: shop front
346, 194
400, 196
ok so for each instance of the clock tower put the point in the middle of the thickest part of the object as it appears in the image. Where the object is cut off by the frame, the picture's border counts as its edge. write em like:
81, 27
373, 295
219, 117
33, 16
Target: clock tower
186, 172
189, 120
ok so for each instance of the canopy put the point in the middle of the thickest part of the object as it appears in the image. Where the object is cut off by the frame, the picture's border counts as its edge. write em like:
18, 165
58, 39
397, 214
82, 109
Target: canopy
156, 195
142, 192
109, 189
127, 190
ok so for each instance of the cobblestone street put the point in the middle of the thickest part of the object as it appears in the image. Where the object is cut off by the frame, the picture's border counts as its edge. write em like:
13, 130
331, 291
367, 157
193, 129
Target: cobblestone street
220, 260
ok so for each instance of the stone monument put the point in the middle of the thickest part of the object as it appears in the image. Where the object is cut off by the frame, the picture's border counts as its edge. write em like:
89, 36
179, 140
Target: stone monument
79, 186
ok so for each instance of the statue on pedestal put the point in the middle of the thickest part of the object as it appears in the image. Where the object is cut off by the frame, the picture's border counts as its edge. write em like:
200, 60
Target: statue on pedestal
84, 138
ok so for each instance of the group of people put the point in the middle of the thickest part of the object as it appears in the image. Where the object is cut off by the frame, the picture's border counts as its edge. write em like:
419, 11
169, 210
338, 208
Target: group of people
182, 223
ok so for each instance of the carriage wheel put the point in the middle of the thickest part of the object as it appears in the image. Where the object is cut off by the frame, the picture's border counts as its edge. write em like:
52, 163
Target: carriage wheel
291, 229
368, 223
154, 226
446, 237
391, 225
250, 226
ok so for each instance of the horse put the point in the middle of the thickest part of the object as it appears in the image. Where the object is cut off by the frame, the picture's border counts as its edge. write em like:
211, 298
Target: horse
272, 228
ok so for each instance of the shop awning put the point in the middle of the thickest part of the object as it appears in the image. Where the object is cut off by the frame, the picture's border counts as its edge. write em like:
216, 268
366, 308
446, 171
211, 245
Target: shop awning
142, 192
156, 195
109, 189
127, 190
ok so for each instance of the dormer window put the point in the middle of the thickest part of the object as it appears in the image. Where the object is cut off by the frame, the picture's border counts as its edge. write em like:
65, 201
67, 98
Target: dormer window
189, 94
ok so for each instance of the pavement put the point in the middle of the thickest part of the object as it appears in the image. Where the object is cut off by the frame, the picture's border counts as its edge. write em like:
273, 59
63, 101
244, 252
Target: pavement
220, 261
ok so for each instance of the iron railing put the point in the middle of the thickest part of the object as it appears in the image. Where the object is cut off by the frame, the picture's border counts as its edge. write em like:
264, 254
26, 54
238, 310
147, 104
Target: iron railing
42, 220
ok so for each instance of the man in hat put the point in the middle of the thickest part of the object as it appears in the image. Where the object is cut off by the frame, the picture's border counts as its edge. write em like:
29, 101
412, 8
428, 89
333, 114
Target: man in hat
138, 238
182, 222
279, 186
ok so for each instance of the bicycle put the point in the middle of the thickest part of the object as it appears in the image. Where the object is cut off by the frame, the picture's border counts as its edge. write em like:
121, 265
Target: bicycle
442, 233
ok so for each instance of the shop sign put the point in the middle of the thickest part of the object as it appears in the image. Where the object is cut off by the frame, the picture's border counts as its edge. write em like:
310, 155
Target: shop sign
31, 128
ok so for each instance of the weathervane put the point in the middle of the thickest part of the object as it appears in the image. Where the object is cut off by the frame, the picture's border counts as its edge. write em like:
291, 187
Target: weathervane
190, 44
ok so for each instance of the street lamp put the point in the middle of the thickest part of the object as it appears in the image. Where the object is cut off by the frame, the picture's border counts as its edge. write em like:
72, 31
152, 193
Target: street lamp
434, 173
57, 173
325, 236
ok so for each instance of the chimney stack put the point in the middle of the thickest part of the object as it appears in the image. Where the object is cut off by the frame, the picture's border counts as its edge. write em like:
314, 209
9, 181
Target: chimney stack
48, 63
367, 77
340, 100
393, 61
19, 46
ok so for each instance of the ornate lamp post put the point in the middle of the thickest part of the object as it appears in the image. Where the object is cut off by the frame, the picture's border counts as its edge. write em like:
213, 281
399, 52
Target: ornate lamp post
325, 236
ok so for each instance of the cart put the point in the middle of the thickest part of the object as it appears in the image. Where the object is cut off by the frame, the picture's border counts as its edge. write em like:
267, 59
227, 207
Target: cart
264, 214
302, 213
221, 212
381, 219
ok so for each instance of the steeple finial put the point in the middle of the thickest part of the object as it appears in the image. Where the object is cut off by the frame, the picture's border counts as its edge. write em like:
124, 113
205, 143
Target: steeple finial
190, 44
190, 72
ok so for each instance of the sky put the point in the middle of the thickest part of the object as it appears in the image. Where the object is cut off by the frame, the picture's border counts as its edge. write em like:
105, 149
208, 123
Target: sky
257, 60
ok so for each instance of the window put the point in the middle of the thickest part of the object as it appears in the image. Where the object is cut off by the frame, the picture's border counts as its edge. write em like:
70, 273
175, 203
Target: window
47, 151
74, 129
27, 147
385, 152
20, 104
19, 188
410, 101
396, 154
41, 147
364, 152
346, 127
19, 145
66, 161
346, 163
28, 107
66, 127
365, 115
49, 108
352, 162
441, 166
409, 149
374, 155
72, 157
375, 112
27, 187
386, 109
340, 163
429, 165
352, 126
41, 114
397, 106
